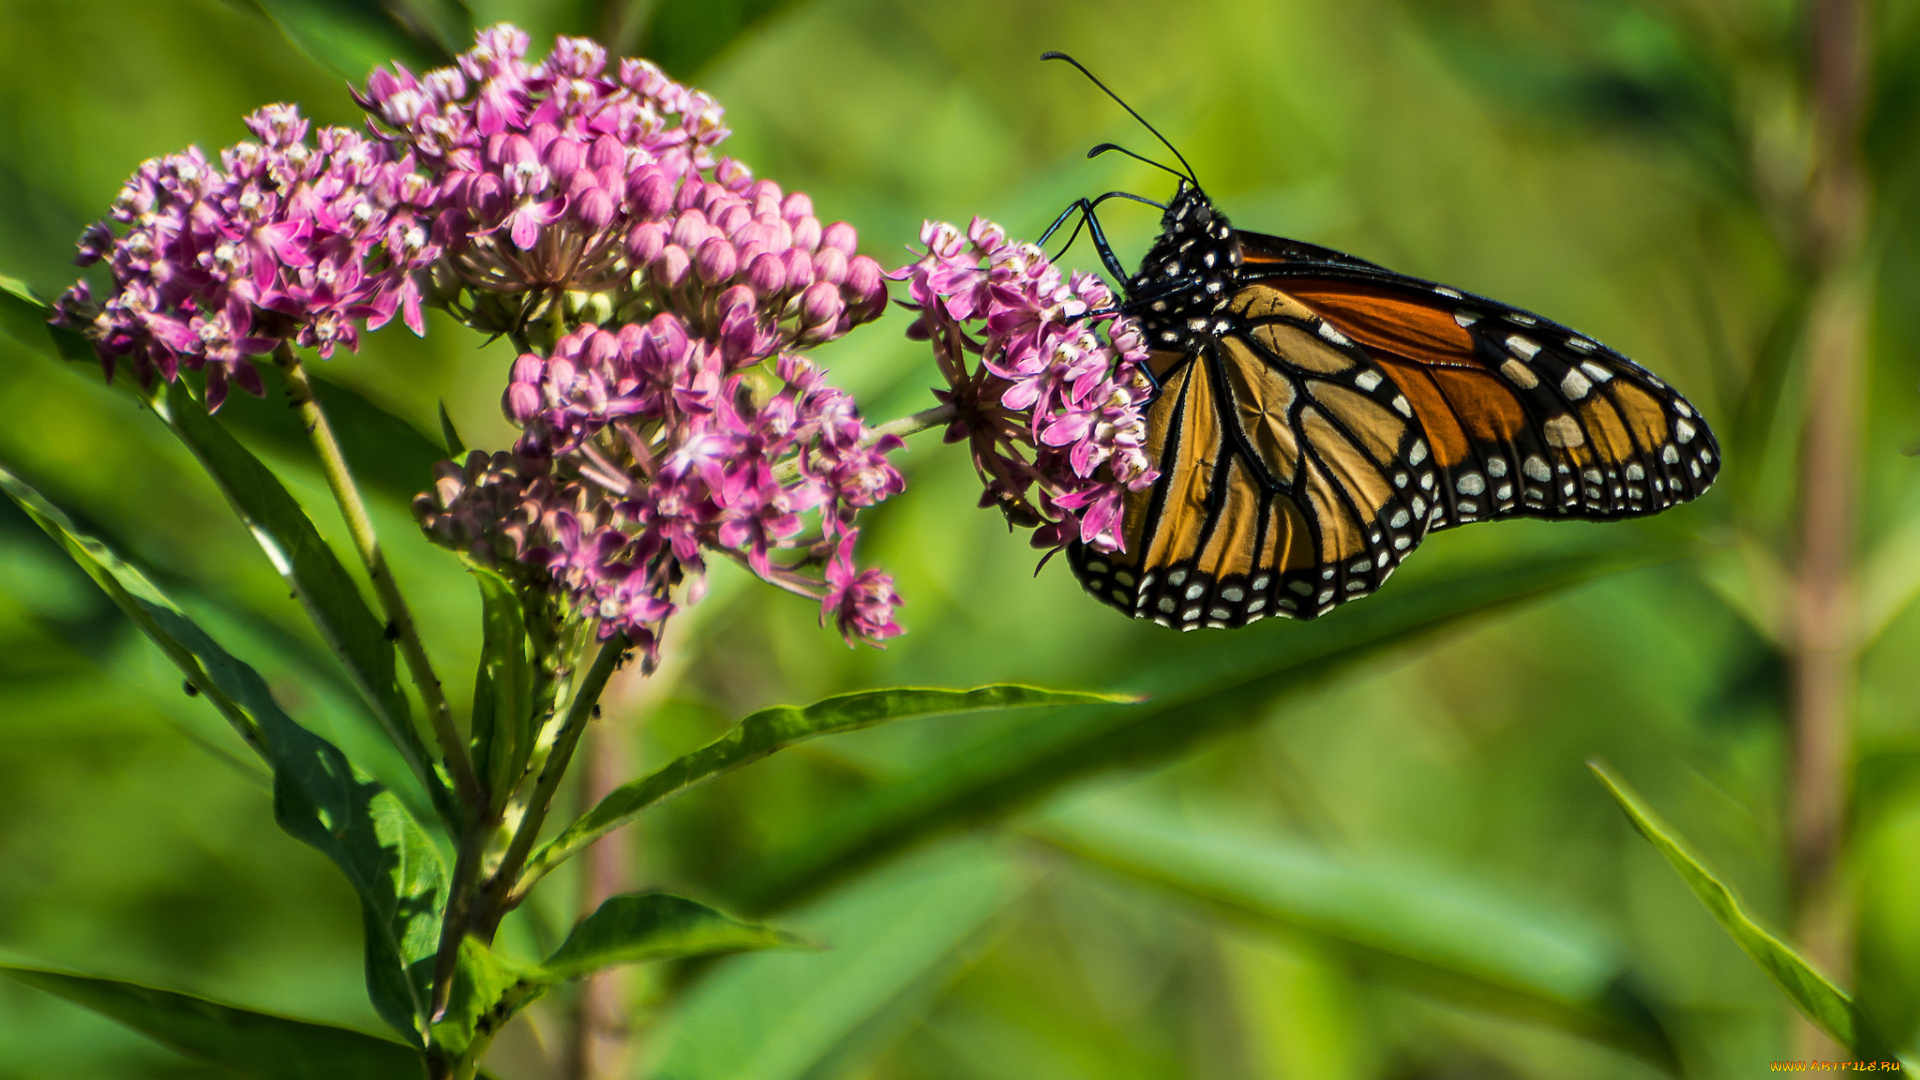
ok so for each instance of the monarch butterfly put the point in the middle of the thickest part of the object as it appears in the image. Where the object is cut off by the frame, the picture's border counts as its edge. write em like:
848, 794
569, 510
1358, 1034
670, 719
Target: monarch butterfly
1317, 415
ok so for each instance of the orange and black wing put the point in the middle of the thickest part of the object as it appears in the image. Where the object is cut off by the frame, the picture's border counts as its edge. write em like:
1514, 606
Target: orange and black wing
1348, 412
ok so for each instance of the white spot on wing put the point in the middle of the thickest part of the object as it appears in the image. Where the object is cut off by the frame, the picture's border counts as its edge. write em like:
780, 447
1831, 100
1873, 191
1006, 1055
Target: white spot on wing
1367, 380
1563, 432
1470, 484
1524, 348
1519, 374
1575, 385
1536, 467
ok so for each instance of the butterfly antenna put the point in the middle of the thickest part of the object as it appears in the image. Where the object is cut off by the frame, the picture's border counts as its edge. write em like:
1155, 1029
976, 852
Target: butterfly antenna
1129, 108
1106, 146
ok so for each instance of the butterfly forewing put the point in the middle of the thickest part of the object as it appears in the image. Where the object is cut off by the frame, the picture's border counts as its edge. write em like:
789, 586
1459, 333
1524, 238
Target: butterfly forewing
1325, 414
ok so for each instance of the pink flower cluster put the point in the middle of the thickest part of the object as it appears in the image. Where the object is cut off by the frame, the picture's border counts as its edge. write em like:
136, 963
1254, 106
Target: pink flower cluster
1054, 409
567, 183
281, 242
648, 446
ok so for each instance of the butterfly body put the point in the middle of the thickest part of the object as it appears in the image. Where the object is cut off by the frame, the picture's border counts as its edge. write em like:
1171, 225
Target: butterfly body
1317, 415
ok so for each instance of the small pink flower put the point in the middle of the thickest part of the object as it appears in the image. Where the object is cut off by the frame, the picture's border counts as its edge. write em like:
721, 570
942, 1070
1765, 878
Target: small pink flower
1054, 412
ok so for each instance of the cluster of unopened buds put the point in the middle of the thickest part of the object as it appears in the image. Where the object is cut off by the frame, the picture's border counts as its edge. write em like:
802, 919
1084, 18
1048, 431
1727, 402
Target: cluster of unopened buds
661, 298
570, 192
1054, 408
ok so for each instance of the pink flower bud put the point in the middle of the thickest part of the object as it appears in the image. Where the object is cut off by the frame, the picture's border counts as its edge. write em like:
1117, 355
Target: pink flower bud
650, 192
607, 153
865, 287
797, 207
564, 158
690, 229
829, 264
542, 136
645, 241
764, 195
688, 196
595, 208
767, 275
521, 402
671, 267
842, 236
730, 219
806, 233
798, 266
602, 347
736, 299
820, 305
716, 260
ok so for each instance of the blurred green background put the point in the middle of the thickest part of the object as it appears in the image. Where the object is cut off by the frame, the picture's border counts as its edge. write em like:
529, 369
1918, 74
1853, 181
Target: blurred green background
1399, 868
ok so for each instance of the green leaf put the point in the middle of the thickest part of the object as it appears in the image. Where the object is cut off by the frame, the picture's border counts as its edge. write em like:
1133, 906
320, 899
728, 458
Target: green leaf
311, 569
891, 940
486, 991
1227, 682
24, 315
249, 1043
777, 728
318, 796
1817, 998
351, 37
682, 36
455, 448
1448, 937
387, 453
503, 721
636, 927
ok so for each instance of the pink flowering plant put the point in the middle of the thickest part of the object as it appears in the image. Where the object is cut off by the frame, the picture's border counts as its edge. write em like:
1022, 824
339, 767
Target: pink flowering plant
1045, 381
663, 304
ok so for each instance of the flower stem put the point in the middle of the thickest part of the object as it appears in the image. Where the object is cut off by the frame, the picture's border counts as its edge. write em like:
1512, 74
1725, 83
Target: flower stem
500, 894
352, 507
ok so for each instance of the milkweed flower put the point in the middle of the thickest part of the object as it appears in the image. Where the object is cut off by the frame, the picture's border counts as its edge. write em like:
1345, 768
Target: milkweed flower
278, 242
1053, 407
647, 448
595, 188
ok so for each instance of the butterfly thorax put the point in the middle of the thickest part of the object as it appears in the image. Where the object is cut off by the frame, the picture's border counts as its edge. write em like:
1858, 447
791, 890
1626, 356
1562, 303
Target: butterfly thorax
1181, 291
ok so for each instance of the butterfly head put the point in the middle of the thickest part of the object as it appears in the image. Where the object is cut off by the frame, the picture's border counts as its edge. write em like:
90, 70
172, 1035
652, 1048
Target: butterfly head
1187, 278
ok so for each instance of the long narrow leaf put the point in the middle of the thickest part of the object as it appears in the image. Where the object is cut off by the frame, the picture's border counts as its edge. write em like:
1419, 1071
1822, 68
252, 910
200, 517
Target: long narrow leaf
503, 688
252, 1044
351, 36
655, 926
786, 1015
318, 796
1230, 681
777, 728
1434, 933
310, 568
1815, 995
24, 317
388, 454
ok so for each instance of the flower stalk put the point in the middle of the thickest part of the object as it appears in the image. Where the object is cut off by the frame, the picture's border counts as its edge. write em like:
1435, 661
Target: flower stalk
346, 493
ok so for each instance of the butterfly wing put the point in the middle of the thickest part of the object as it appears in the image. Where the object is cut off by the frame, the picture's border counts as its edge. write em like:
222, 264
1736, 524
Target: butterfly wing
1347, 411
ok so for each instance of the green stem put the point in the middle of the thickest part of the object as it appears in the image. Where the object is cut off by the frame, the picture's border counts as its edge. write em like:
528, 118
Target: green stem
354, 509
500, 888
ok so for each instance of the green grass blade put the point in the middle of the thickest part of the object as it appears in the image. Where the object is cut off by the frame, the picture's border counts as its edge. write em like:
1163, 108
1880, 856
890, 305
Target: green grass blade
777, 728
890, 940
251, 1044
1220, 683
638, 927
1438, 934
319, 798
311, 569
350, 37
23, 316
1816, 996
